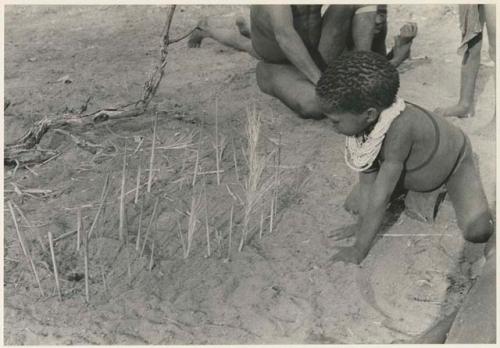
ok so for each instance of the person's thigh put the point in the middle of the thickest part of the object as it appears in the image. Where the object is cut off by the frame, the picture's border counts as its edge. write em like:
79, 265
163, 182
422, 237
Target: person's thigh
335, 30
290, 86
469, 200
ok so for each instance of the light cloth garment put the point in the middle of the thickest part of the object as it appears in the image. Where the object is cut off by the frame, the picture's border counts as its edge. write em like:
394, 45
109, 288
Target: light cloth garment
471, 20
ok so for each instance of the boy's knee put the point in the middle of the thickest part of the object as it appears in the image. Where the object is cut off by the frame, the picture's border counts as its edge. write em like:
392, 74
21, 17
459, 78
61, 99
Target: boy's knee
480, 230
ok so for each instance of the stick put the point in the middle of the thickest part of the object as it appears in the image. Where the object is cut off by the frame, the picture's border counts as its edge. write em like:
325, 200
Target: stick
149, 226
261, 224
51, 244
217, 141
138, 180
151, 260
271, 217
30, 226
196, 167
23, 247
181, 237
78, 228
64, 235
138, 239
235, 162
152, 158
104, 194
104, 279
206, 222
230, 231
86, 264
122, 198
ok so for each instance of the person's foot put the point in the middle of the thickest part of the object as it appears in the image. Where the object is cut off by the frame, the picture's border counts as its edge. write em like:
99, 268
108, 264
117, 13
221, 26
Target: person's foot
243, 27
199, 33
459, 110
403, 42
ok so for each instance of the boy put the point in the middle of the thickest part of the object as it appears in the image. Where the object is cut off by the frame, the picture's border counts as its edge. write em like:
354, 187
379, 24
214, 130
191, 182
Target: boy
390, 141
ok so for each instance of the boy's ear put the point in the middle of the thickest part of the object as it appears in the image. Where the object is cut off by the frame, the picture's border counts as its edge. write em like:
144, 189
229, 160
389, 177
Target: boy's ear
371, 115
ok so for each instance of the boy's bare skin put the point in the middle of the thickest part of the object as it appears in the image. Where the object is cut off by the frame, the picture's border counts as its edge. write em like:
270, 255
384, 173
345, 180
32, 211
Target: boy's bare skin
409, 142
294, 42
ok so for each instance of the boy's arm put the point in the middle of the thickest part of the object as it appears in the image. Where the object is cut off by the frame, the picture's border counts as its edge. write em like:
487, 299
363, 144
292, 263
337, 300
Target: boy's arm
290, 41
373, 202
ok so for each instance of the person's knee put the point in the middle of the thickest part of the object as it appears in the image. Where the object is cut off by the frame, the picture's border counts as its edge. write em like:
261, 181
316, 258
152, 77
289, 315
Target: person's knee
263, 75
309, 109
480, 229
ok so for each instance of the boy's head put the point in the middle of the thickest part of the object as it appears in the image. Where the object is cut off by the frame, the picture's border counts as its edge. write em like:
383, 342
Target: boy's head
355, 88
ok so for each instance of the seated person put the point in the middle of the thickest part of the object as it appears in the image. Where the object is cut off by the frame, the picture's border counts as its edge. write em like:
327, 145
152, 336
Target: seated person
390, 141
293, 43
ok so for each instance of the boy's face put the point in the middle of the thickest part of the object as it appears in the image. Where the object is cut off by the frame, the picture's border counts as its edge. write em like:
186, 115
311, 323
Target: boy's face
347, 123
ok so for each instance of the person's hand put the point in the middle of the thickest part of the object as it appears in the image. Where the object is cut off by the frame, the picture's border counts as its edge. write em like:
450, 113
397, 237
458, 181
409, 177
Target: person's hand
343, 232
347, 255
408, 32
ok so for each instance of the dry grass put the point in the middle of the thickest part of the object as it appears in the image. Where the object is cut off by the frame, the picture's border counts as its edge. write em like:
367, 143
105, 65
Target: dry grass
192, 222
255, 187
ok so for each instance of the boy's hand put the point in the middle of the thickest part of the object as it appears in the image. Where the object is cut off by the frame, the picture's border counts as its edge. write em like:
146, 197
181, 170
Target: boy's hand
348, 255
343, 232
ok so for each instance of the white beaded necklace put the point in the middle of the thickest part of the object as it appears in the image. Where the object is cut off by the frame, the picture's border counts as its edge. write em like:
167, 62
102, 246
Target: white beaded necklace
361, 151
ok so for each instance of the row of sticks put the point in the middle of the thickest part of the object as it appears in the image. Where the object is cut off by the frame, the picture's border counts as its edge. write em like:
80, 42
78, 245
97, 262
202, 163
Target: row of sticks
82, 235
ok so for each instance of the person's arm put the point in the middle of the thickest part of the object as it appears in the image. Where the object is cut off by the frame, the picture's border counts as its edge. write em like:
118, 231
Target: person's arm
376, 196
290, 41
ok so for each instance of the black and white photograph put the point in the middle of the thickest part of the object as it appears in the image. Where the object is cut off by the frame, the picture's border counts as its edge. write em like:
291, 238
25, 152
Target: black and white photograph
249, 174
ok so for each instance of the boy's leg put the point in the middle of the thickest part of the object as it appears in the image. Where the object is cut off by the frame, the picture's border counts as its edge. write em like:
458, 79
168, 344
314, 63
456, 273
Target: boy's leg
335, 30
288, 84
467, 196
228, 37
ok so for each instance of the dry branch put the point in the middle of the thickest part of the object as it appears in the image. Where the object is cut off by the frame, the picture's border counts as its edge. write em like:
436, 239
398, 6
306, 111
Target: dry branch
24, 149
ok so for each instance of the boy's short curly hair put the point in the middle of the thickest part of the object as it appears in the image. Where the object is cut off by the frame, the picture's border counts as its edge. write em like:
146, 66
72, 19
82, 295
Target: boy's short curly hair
357, 81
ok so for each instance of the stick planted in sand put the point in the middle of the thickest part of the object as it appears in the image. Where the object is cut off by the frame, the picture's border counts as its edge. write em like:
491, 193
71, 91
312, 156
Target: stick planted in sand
196, 167
261, 224
86, 264
152, 158
151, 260
138, 180
78, 228
235, 162
30, 226
271, 216
23, 247
230, 231
104, 194
54, 264
138, 239
153, 215
181, 237
122, 198
217, 141
206, 221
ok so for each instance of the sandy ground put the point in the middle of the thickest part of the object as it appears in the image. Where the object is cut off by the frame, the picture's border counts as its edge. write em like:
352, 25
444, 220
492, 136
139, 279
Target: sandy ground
280, 288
